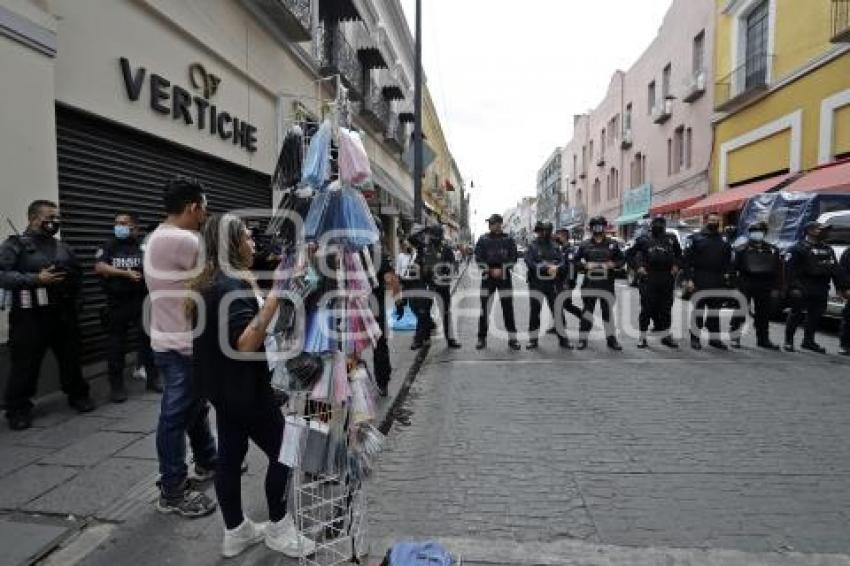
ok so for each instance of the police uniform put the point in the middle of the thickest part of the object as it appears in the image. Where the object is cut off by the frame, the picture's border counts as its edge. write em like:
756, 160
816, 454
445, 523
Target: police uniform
425, 261
758, 266
442, 284
567, 280
658, 256
598, 285
542, 255
41, 318
496, 251
124, 300
708, 261
810, 267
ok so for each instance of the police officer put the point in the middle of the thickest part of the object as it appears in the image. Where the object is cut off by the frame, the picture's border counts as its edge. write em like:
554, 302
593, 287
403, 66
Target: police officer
657, 256
543, 262
598, 257
421, 282
496, 253
567, 279
810, 266
708, 263
387, 280
444, 273
758, 268
844, 338
44, 278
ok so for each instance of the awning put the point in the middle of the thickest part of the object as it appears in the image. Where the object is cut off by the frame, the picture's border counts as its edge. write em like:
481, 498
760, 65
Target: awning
733, 199
407, 117
832, 178
674, 206
393, 92
338, 11
371, 58
629, 218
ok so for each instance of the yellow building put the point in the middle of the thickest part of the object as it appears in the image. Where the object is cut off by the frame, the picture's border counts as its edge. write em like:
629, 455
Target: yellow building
440, 180
782, 95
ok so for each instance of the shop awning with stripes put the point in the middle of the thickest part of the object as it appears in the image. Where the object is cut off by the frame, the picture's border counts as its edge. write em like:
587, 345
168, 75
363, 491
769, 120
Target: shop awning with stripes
733, 199
832, 178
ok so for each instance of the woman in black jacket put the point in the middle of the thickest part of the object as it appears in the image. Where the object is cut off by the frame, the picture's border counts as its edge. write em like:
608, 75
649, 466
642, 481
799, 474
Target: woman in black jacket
231, 370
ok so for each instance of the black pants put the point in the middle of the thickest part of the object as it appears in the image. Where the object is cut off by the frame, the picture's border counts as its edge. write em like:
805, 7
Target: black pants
570, 307
489, 287
125, 316
762, 306
381, 354
31, 333
656, 302
711, 319
421, 307
811, 307
444, 292
536, 306
605, 297
265, 429
844, 337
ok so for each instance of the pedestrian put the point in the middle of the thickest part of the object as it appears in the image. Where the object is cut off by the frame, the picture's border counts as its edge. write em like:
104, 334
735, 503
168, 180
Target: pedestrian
420, 281
598, 257
567, 280
810, 266
171, 260
387, 281
444, 274
658, 257
543, 262
758, 269
43, 276
708, 263
118, 262
237, 382
496, 253
844, 264
402, 261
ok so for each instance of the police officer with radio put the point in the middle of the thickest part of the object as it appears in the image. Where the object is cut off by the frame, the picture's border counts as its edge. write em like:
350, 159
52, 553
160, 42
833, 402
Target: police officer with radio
567, 280
44, 278
810, 266
758, 267
598, 257
543, 262
444, 273
421, 282
657, 256
708, 263
496, 254
119, 264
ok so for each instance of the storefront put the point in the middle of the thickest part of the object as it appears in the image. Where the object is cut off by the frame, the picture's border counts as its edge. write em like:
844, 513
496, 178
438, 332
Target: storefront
636, 204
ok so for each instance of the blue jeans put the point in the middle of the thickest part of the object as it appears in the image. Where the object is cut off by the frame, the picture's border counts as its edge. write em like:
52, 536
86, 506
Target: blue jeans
182, 413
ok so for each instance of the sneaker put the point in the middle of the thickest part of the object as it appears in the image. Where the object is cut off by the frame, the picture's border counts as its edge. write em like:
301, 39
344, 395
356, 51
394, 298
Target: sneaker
191, 504
283, 537
514, 344
203, 474
19, 420
813, 347
642, 344
669, 342
532, 345
246, 535
482, 343
140, 373
117, 392
82, 404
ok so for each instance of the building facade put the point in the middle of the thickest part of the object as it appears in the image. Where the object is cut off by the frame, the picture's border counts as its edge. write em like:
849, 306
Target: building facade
111, 99
441, 181
520, 220
646, 147
550, 184
783, 90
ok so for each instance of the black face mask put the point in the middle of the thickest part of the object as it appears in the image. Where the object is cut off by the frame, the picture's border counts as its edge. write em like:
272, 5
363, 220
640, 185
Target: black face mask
658, 230
50, 227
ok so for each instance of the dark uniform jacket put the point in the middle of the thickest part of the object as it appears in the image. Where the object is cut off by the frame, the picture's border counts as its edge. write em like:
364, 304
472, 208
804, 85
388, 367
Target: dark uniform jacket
758, 264
23, 257
445, 269
844, 263
657, 255
568, 273
591, 252
122, 254
708, 260
810, 267
542, 254
496, 251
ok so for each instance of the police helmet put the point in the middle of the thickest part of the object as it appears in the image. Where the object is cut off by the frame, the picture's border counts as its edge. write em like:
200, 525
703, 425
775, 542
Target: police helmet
597, 221
659, 220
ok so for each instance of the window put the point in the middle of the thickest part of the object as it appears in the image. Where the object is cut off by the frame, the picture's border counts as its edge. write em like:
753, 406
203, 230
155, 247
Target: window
699, 52
757, 31
627, 122
575, 167
614, 189
643, 178
584, 160
597, 191
679, 149
591, 149
651, 97
689, 147
602, 143
665, 81
669, 156
638, 171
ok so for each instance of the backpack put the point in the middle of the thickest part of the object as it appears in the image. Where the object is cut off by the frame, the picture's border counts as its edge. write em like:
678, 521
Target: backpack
418, 554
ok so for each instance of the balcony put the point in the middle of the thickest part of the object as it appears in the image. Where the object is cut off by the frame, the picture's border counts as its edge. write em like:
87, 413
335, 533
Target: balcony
695, 87
841, 21
745, 83
375, 108
662, 111
292, 17
627, 140
336, 56
601, 161
395, 134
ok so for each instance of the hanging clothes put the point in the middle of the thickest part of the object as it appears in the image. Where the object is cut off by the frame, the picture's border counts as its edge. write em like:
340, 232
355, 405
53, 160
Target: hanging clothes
288, 170
317, 162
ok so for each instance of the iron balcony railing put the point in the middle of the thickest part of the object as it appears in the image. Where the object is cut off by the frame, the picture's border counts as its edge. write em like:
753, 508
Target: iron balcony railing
841, 21
376, 108
302, 12
293, 17
337, 57
744, 83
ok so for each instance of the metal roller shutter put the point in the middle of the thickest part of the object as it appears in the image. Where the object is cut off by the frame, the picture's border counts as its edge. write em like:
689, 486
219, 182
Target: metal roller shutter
105, 168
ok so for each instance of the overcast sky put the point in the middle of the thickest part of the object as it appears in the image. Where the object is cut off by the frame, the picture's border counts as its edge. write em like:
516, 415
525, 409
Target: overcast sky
507, 77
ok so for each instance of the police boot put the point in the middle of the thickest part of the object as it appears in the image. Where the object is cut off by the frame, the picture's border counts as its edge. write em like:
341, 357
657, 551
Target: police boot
812, 346
532, 344
513, 344
695, 343
614, 344
642, 343
670, 342
481, 344
564, 343
453, 344
117, 391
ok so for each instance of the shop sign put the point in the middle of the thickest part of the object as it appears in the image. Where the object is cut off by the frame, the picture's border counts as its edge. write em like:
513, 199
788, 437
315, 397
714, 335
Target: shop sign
171, 99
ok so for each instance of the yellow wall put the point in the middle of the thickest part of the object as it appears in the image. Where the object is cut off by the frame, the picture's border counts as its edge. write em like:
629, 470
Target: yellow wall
769, 155
841, 144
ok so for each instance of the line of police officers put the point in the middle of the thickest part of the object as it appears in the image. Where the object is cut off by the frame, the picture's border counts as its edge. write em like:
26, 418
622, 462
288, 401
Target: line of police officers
709, 268
41, 278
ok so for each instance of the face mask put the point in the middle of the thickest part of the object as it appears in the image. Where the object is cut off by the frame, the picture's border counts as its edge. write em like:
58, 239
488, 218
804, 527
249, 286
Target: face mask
122, 232
598, 230
658, 230
756, 236
50, 227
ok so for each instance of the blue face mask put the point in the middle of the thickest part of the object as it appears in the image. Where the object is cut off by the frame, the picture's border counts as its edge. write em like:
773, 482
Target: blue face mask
122, 232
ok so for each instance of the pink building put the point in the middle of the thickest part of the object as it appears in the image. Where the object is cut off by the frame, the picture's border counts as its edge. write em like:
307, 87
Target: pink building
646, 148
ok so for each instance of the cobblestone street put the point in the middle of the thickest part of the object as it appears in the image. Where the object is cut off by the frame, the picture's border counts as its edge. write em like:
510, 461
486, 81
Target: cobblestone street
742, 450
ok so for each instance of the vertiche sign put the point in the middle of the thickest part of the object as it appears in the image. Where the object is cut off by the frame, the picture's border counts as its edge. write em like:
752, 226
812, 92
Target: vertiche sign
171, 99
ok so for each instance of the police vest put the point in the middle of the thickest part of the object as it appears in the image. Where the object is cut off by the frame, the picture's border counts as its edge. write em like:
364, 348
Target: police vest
820, 262
660, 254
758, 261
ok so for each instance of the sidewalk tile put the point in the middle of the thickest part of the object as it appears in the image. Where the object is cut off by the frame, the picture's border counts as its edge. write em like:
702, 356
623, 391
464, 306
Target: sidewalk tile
91, 449
15, 457
30, 482
142, 449
62, 435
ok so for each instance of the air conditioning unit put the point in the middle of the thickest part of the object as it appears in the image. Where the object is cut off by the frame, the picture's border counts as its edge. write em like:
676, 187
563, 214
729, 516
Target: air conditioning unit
696, 87
627, 140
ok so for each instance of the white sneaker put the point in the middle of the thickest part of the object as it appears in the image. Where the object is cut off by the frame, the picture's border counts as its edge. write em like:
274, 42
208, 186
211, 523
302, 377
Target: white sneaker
238, 540
140, 373
283, 537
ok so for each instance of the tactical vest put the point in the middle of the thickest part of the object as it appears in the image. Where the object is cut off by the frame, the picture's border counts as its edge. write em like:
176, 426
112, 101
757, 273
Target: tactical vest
760, 261
820, 261
660, 254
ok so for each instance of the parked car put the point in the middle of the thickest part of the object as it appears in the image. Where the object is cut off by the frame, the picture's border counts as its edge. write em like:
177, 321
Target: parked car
838, 237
